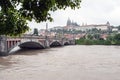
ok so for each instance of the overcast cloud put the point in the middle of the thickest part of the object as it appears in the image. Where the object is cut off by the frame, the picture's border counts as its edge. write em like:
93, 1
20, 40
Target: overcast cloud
91, 12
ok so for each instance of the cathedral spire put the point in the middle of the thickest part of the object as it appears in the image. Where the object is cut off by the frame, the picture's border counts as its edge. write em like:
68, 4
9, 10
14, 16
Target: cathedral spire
68, 22
108, 23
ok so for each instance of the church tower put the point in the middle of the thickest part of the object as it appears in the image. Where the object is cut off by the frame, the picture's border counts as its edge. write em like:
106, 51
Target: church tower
108, 23
68, 22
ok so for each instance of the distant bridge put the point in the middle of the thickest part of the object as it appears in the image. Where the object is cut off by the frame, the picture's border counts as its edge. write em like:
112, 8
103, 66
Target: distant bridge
31, 42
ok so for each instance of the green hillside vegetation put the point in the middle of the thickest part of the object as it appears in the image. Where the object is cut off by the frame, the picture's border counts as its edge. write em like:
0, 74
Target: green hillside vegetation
90, 40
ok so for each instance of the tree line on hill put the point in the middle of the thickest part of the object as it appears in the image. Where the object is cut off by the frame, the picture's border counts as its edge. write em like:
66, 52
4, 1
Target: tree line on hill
96, 40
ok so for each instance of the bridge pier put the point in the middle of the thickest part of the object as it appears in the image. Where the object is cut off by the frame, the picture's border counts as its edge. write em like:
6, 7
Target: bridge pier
47, 43
72, 42
3, 45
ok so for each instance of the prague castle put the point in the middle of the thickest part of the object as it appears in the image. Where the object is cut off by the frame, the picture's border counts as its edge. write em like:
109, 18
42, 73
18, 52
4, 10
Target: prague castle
85, 27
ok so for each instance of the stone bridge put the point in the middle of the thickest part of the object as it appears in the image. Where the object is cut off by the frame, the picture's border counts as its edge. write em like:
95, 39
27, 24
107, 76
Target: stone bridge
31, 42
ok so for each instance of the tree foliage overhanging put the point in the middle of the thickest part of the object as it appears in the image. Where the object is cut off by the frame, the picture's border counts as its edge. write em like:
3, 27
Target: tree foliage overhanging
15, 13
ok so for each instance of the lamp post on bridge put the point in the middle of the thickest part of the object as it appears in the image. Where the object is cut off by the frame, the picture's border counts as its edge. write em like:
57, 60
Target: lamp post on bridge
46, 36
46, 32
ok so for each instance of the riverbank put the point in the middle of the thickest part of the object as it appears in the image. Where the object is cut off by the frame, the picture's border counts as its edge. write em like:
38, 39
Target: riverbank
96, 42
93, 40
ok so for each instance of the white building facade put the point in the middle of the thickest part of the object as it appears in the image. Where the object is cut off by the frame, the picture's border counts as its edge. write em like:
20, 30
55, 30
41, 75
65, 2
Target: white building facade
103, 27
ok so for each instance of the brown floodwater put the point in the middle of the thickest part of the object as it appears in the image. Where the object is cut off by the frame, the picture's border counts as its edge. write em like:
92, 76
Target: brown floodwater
63, 63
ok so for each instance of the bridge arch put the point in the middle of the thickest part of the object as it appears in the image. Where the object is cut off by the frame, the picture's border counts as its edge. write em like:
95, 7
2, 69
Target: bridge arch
55, 44
66, 43
32, 45
27, 45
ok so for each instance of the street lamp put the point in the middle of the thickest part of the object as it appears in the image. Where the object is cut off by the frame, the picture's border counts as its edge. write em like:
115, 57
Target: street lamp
46, 31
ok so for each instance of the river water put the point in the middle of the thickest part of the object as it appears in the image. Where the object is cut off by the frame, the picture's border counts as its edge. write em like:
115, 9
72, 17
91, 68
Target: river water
63, 63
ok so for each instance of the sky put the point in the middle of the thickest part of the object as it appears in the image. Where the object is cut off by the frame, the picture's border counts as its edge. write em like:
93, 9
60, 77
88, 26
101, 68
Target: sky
91, 12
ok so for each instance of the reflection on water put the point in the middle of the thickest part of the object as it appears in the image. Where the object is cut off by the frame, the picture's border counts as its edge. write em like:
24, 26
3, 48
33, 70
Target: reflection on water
62, 63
